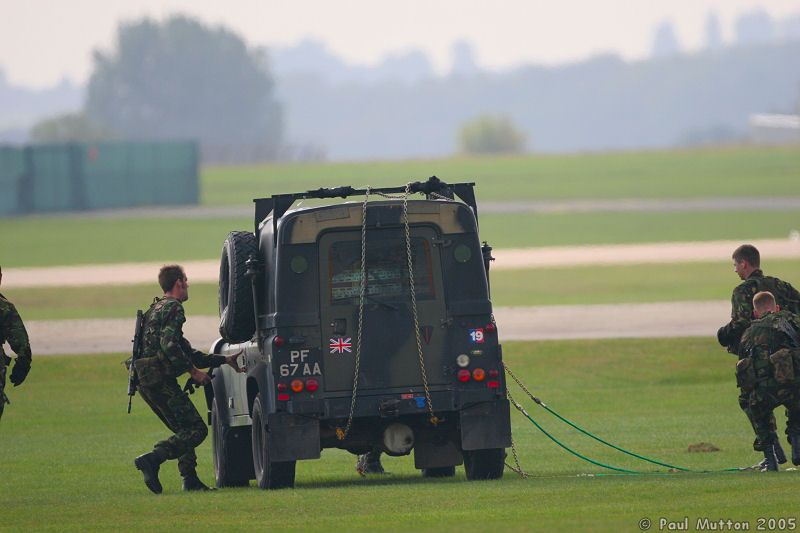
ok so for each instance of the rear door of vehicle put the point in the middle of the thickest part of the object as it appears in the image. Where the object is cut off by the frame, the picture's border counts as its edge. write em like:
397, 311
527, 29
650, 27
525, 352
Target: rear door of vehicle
389, 356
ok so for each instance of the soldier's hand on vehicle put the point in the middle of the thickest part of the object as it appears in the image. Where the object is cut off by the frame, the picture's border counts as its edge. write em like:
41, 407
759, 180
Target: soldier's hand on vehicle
20, 371
199, 377
231, 361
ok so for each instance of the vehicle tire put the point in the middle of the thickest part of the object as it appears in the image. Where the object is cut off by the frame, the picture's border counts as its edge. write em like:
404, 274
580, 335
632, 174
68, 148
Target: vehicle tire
230, 452
484, 464
268, 475
443, 471
236, 313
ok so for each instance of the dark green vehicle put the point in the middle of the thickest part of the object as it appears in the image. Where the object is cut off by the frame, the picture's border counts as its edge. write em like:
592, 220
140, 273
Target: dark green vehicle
364, 324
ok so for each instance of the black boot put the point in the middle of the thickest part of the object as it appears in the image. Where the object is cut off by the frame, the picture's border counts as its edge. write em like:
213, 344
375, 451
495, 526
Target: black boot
191, 482
770, 459
779, 453
149, 464
369, 463
795, 440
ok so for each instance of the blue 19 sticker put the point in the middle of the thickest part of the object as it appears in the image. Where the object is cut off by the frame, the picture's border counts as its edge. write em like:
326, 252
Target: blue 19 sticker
476, 336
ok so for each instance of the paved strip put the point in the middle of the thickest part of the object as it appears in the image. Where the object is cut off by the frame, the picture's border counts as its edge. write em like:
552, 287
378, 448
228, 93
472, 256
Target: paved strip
627, 254
506, 258
675, 319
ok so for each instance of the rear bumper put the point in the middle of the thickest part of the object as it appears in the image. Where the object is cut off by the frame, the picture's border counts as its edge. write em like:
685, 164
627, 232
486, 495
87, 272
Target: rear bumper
390, 405
468, 420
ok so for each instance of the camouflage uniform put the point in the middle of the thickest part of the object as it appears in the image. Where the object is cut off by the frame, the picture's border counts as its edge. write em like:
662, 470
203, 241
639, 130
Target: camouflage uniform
765, 381
730, 334
786, 296
12, 330
165, 356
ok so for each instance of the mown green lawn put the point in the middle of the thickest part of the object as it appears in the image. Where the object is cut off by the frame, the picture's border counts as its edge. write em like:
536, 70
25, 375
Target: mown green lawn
543, 286
69, 241
68, 448
734, 171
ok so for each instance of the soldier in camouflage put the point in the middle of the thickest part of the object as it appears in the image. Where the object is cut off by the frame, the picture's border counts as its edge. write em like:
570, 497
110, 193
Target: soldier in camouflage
769, 375
747, 265
12, 330
166, 354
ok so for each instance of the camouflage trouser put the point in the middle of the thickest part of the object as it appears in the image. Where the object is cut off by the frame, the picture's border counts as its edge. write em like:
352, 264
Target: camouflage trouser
762, 402
179, 414
4, 360
744, 403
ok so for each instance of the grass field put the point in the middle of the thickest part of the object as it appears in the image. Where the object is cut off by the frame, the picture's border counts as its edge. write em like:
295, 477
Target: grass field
70, 241
544, 286
665, 174
68, 449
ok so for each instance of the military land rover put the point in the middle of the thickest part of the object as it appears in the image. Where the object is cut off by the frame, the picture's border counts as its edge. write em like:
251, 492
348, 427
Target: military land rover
363, 325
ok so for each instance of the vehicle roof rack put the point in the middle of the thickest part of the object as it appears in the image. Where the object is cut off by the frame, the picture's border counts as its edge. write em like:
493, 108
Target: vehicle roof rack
278, 204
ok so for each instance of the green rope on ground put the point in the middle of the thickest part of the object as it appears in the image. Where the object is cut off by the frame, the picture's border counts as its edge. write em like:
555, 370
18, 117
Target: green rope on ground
564, 446
595, 437
632, 454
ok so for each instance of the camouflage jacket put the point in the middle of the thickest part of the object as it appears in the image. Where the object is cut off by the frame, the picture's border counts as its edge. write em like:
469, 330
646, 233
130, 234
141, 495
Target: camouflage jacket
742, 304
12, 330
769, 334
163, 338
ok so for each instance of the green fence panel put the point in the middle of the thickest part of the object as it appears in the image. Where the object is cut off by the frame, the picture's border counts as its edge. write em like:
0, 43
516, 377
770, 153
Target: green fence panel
57, 180
106, 176
12, 168
141, 174
66, 177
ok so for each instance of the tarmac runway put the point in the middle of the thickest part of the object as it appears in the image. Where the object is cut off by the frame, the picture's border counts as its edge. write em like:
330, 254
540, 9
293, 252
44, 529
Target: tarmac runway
674, 319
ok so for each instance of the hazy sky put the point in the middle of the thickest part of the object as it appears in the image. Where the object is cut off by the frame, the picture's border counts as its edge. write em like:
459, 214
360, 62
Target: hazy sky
43, 41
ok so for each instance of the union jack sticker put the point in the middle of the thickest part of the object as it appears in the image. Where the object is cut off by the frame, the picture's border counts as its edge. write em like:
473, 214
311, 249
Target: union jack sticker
340, 345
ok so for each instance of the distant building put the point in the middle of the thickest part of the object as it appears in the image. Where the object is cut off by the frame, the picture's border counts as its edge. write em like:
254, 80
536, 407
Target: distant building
775, 129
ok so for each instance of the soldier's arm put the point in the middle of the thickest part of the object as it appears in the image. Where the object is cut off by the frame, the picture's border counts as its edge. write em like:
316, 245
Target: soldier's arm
15, 333
741, 315
172, 337
201, 359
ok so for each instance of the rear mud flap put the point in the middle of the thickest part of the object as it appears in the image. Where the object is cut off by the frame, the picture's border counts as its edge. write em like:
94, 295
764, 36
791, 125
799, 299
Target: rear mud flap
293, 437
436, 448
486, 425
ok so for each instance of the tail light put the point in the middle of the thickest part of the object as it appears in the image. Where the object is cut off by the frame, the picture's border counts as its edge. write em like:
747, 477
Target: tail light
463, 375
297, 385
478, 374
490, 328
278, 341
312, 385
493, 373
283, 387
282, 397
493, 384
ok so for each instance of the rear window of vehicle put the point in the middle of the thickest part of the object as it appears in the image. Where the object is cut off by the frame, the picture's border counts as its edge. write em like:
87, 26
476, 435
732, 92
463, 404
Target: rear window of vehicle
386, 268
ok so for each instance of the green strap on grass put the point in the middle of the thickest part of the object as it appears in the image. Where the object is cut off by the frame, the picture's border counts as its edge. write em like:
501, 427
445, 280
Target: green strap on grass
595, 437
632, 454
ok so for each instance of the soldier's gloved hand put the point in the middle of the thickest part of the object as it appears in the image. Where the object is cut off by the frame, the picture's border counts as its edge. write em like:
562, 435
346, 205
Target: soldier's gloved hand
20, 371
199, 377
232, 361
722, 337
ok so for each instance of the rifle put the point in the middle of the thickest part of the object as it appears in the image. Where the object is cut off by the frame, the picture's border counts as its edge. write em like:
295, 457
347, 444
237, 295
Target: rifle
3, 368
133, 377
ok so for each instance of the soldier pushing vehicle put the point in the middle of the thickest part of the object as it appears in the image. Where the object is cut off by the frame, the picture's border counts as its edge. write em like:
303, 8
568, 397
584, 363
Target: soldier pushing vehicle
366, 326
165, 355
